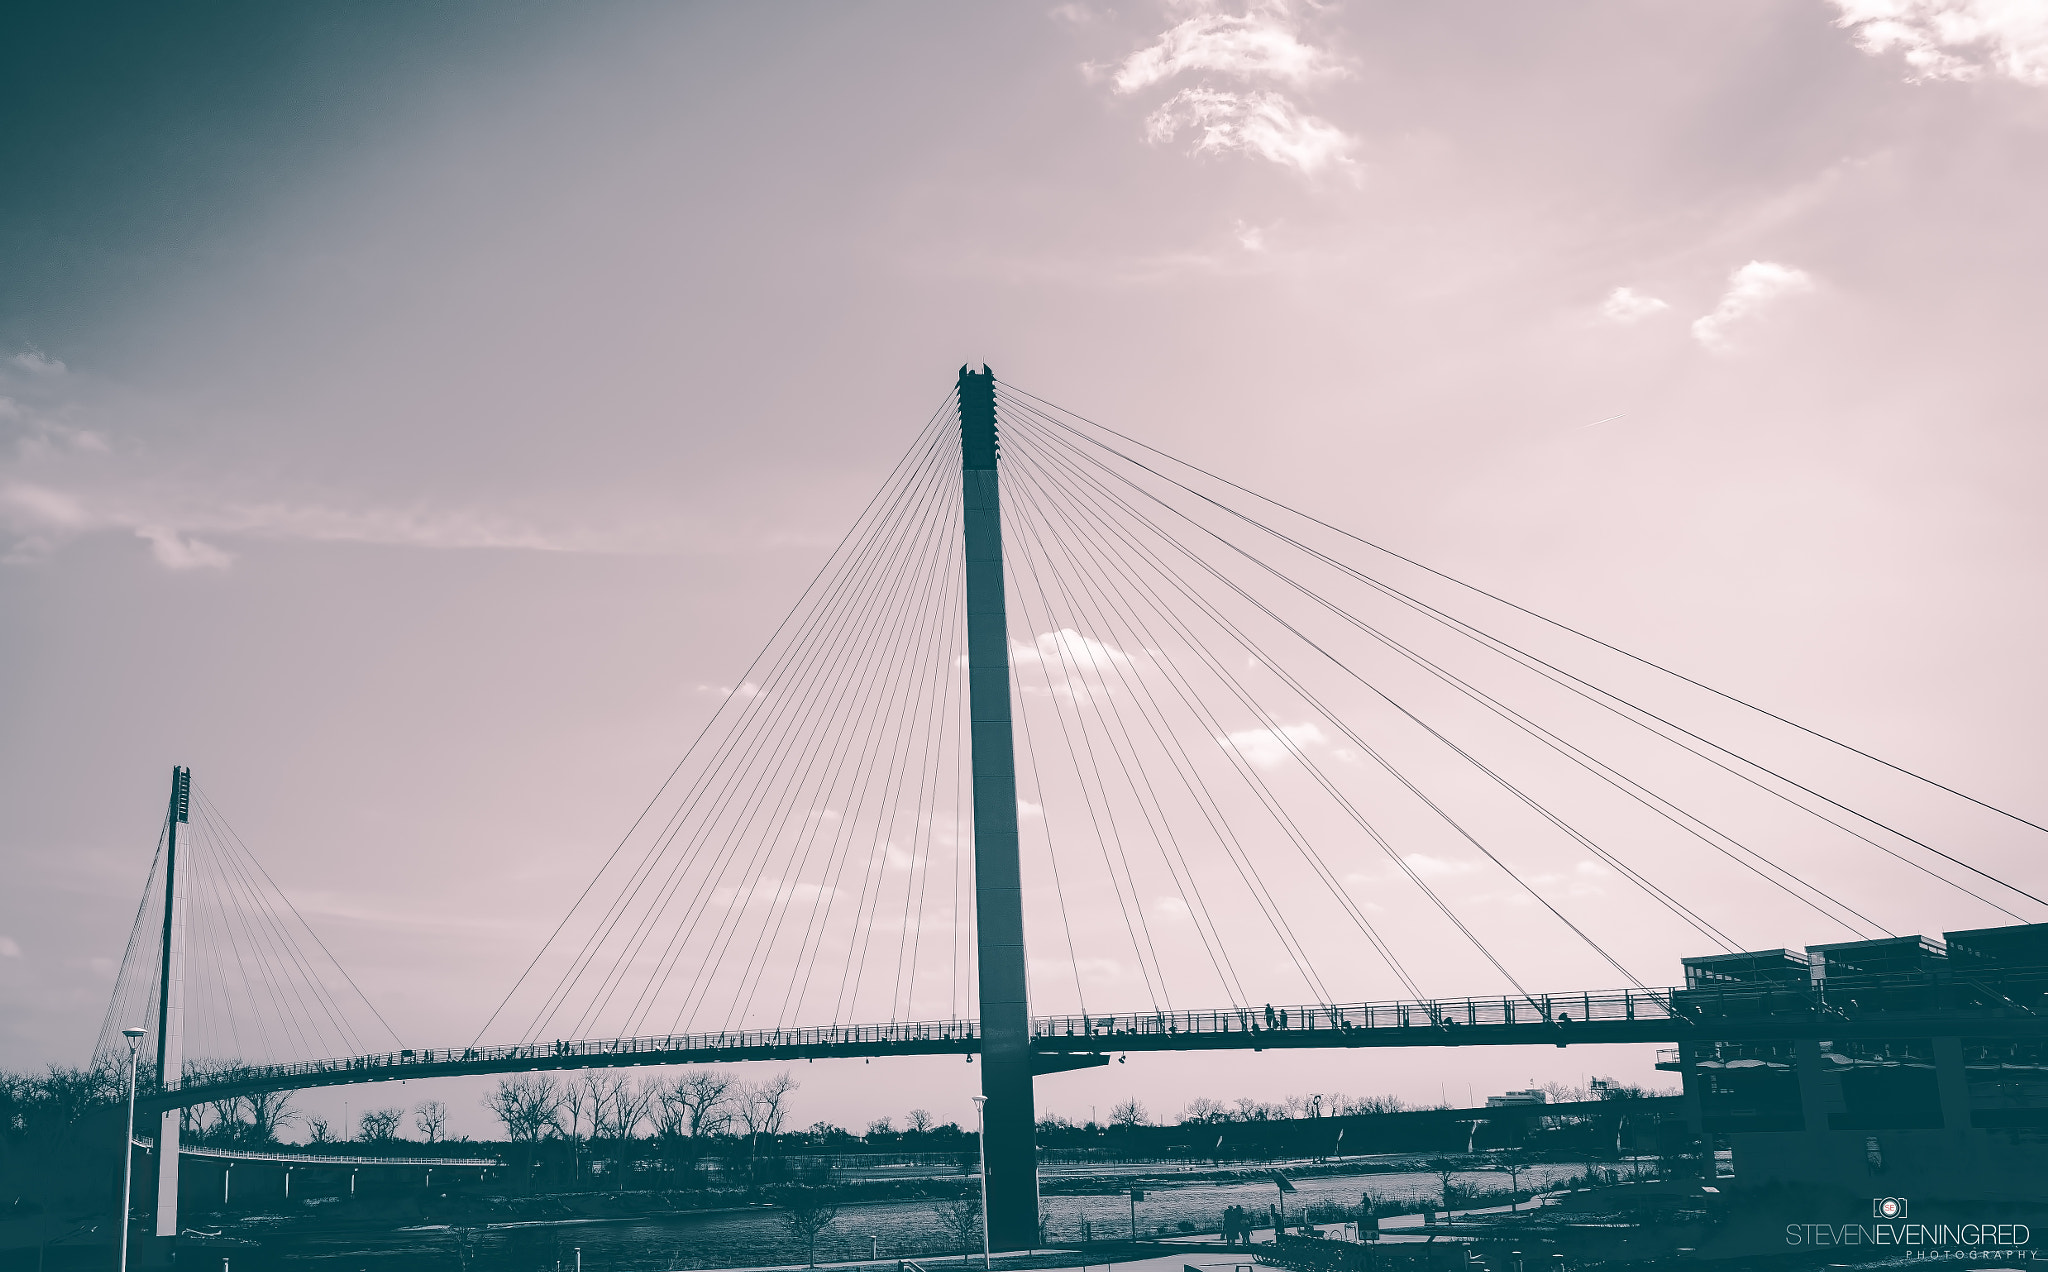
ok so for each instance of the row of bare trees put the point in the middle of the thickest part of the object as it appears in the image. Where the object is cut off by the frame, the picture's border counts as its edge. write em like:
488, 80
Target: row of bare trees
1291, 1108
604, 1104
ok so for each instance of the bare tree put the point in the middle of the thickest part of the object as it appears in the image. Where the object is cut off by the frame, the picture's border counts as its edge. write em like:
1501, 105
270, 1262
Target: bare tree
919, 1120
1129, 1113
1204, 1109
1516, 1163
635, 1107
319, 1131
764, 1106
762, 1109
617, 1105
961, 1220
221, 1119
808, 1209
574, 1101
431, 1118
705, 1096
881, 1126
1444, 1168
527, 1106
379, 1126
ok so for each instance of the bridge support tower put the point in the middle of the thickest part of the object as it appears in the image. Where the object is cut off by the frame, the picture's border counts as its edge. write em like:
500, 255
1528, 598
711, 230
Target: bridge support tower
1010, 1118
170, 1010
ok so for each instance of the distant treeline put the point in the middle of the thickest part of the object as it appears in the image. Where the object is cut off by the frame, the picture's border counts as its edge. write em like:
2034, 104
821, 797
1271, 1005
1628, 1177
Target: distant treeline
611, 1105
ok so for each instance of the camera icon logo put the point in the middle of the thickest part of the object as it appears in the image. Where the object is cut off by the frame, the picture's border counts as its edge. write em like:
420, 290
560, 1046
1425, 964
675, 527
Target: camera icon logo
1888, 1207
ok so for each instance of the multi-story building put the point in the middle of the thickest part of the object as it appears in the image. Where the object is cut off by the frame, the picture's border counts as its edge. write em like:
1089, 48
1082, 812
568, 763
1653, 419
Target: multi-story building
1905, 1057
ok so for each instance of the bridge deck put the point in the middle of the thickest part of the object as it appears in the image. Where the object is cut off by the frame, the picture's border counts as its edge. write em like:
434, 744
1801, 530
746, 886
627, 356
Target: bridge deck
1614, 1016
147, 1143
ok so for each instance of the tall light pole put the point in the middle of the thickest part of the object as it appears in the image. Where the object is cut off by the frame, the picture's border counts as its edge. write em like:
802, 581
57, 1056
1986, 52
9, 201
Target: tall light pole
133, 1034
981, 1141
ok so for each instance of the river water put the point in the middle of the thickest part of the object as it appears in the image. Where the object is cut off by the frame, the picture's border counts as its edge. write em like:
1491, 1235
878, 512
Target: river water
757, 1236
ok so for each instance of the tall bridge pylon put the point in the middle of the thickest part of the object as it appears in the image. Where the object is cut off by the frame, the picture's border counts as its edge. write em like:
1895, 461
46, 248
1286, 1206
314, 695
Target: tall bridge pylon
1009, 1118
170, 1013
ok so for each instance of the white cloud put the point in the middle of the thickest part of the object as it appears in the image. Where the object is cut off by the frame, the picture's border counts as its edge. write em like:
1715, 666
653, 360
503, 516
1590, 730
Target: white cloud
1954, 39
1077, 667
8, 948
1268, 747
1428, 866
1253, 239
1263, 124
35, 363
1259, 43
391, 527
1084, 653
175, 552
38, 508
1026, 809
1091, 968
1627, 306
1751, 289
769, 891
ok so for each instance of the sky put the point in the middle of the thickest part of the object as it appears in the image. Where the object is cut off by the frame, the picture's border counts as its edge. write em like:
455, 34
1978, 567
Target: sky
411, 416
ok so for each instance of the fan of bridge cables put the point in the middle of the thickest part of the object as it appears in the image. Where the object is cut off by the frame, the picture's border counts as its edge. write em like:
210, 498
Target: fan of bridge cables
260, 986
1259, 759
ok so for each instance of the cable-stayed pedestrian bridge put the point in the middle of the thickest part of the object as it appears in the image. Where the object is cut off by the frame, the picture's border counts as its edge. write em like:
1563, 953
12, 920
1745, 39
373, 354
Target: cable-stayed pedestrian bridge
1061, 1043
1058, 1042
1059, 689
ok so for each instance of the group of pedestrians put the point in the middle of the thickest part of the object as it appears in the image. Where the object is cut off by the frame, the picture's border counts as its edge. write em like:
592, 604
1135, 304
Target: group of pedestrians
1238, 1224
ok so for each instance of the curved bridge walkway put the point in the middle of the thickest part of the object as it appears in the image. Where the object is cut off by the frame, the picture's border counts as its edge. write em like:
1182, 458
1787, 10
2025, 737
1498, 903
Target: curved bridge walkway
1071, 1042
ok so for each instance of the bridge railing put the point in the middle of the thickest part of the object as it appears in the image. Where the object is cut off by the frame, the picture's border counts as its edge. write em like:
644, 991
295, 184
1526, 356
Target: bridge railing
1059, 1032
696, 1045
1443, 1014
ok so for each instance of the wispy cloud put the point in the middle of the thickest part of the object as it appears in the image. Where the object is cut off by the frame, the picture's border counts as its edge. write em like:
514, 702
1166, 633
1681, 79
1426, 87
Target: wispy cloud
1260, 42
66, 473
8, 948
1954, 39
41, 517
174, 551
746, 689
1436, 867
1077, 667
1269, 747
1084, 653
1259, 123
1627, 306
36, 363
1754, 288
769, 891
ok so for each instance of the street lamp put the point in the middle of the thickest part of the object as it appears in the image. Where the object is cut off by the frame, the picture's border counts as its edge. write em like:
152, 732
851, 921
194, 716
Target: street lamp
133, 1034
981, 1142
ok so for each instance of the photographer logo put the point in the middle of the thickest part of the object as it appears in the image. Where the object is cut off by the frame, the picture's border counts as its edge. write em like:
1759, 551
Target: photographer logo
1888, 1208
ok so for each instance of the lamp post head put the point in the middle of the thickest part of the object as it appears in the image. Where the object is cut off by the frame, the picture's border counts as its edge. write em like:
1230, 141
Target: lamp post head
133, 1031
